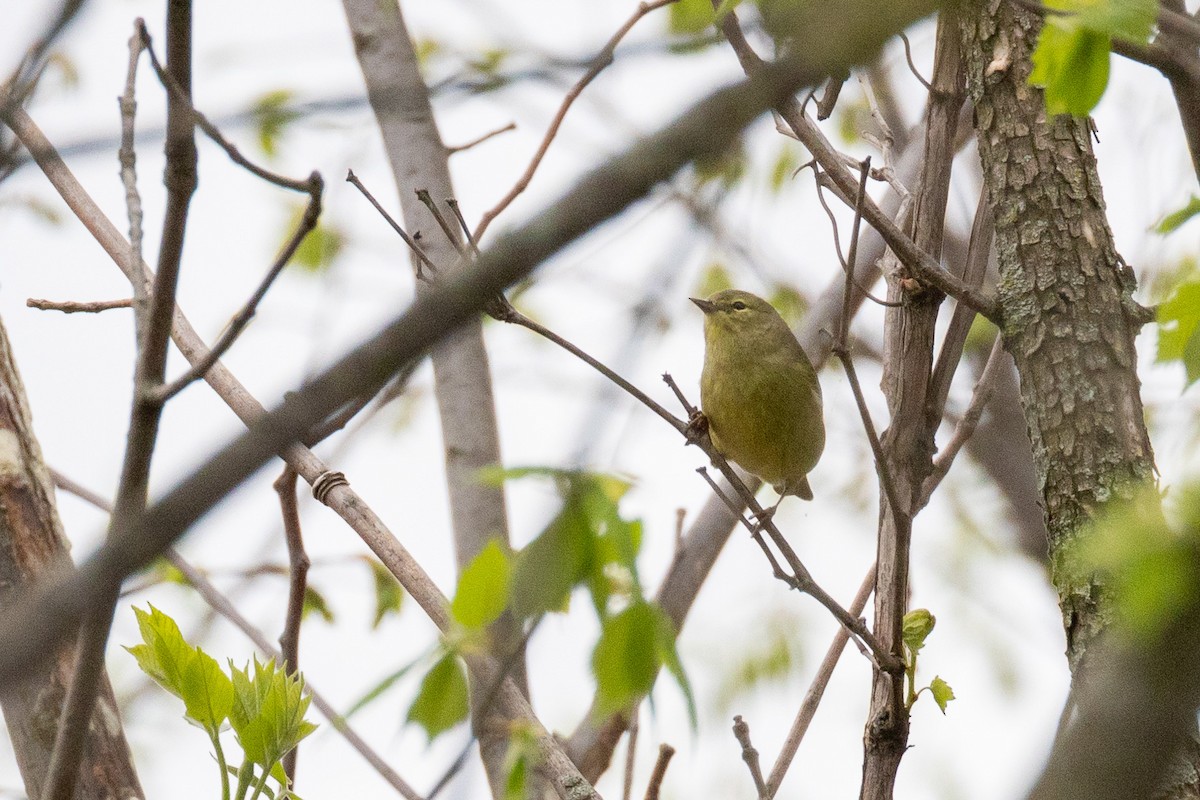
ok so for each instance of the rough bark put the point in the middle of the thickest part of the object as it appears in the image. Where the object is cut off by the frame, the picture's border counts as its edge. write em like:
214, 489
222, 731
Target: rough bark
32, 545
1068, 316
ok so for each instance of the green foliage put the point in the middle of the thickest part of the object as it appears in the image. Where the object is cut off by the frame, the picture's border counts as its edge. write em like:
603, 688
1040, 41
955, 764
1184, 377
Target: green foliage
389, 595
941, 692
320, 247
590, 544
483, 588
790, 304
1149, 568
265, 707
1071, 60
715, 278
787, 161
185, 671
633, 644
1175, 219
522, 758
1179, 328
774, 656
690, 16
315, 603
268, 712
441, 702
272, 114
915, 629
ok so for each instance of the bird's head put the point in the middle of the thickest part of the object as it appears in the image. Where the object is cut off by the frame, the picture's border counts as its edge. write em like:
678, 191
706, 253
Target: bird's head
738, 313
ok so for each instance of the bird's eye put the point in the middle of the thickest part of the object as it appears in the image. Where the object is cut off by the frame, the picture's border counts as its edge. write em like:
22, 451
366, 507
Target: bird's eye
738, 305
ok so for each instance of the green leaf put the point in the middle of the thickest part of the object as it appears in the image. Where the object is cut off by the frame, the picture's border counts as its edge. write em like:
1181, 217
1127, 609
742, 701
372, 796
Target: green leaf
1072, 56
790, 304
1179, 329
271, 115
268, 712
626, 659
389, 595
665, 639
916, 627
380, 688
1072, 66
690, 16
1151, 569
1175, 219
715, 278
942, 693
1123, 19
550, 566
522, 757
786, 163
441, 702
187, 672
315, 603
320, 247
482, 593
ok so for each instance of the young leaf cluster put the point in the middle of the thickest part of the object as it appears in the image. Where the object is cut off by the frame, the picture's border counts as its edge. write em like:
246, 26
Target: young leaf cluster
587, 545
261, 704
917, 626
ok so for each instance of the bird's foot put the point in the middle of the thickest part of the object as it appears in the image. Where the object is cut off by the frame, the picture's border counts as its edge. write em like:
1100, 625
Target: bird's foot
697, 426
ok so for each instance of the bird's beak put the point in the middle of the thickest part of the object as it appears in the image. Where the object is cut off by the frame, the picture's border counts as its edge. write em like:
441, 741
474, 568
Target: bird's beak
704, 305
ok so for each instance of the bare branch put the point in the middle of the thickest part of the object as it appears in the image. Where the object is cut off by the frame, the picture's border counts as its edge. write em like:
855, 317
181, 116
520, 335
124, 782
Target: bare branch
741, 732
602, 60
966, 426
75, 307
665, 751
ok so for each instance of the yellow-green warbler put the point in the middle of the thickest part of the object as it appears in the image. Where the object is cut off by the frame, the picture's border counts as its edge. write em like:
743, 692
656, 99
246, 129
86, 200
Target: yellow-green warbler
760, 392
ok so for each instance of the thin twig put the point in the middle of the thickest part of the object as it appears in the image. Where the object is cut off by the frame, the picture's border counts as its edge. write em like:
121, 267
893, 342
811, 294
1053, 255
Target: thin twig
911, 66
630, 755
741, 732
452, 237
75, 307
127, 156
979, 249
837, 246
422, 259
984, 388
175, 92
602, 60
512, 126
153, 338
816, 689
843, 354
665, 751
306, 225
221, 604
800, 578
298, 564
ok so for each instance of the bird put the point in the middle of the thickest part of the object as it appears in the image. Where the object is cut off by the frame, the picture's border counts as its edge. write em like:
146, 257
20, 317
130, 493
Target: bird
760, 393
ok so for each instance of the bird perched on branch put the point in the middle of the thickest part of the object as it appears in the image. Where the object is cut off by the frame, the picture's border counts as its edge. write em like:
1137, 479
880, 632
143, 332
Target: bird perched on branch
760, 393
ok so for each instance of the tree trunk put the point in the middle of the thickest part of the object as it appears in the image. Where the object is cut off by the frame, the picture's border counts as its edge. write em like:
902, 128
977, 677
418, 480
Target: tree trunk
462, 381
32, 545
1069, 319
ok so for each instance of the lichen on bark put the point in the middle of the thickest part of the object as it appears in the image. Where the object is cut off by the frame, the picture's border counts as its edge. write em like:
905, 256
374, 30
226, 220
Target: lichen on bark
1065, 295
